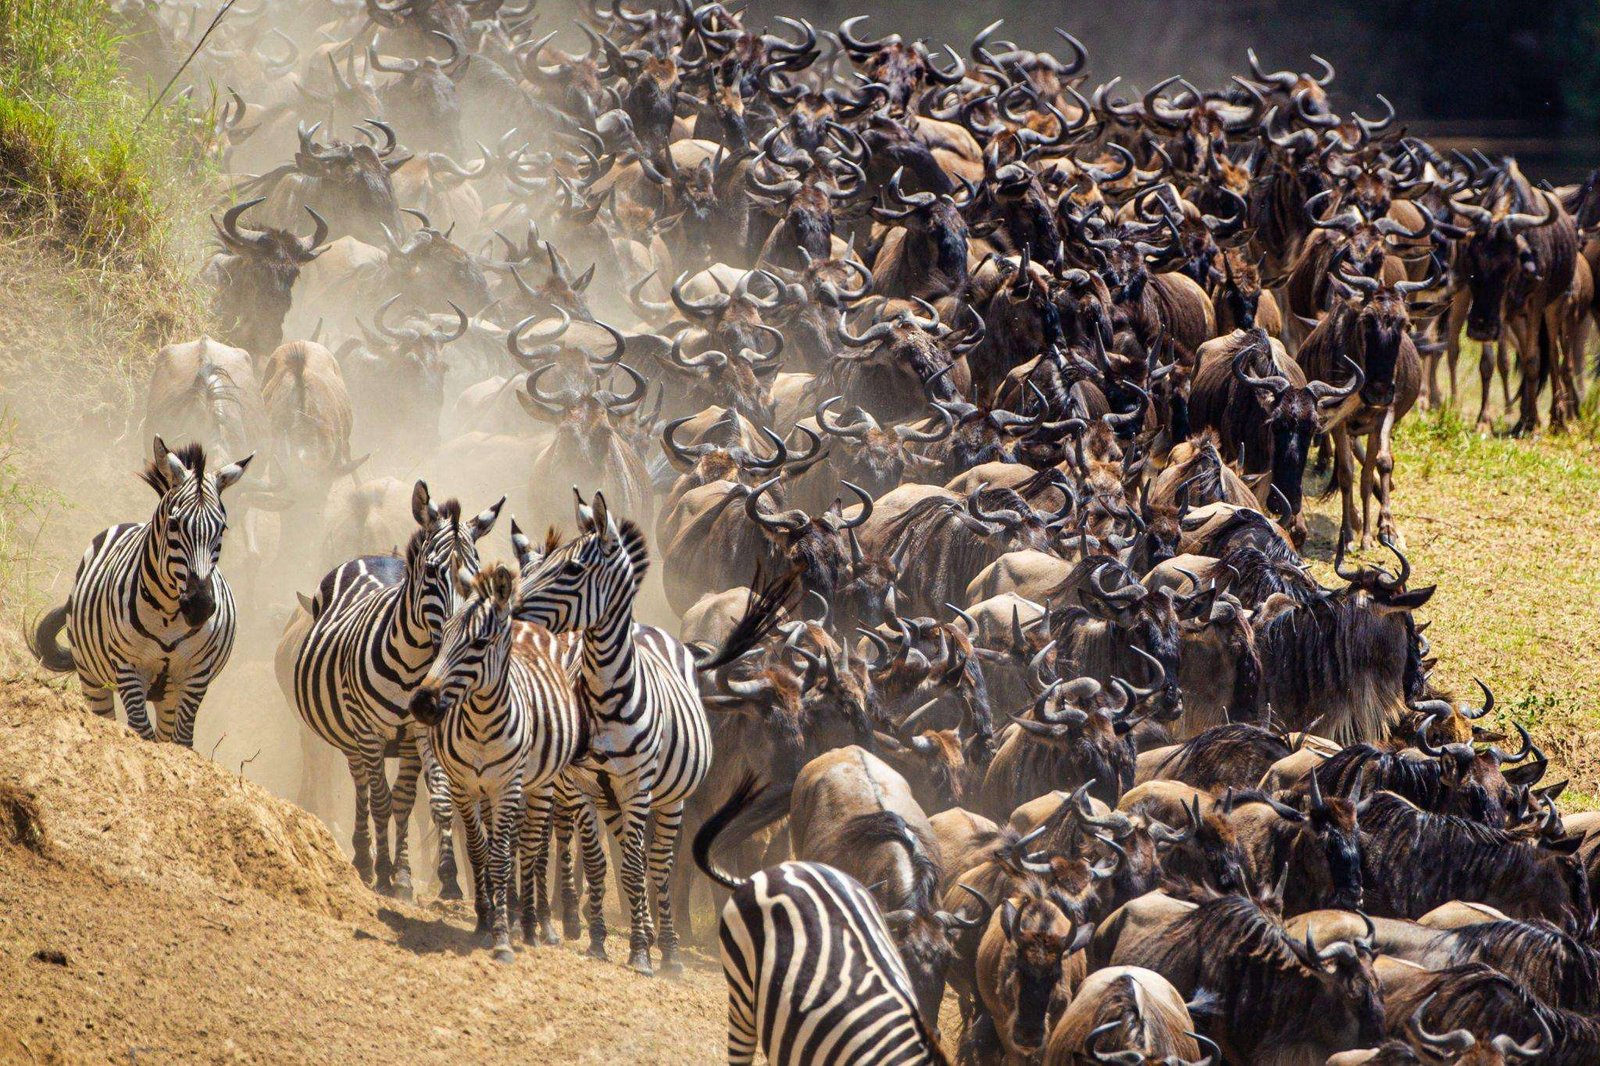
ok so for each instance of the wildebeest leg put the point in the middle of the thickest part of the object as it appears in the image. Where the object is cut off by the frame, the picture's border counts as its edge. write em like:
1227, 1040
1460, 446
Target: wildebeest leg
1453, 324
1382, 452
1486, 362
1563, 384
131, 687
663, 856
1528, 355
1344, 472
1369, 484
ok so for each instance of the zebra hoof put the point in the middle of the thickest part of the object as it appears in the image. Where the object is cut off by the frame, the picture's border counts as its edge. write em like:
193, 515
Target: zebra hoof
598, 951
504, 955
401, 888
639, 962
548, 935
671, 966
450, 889
571, 926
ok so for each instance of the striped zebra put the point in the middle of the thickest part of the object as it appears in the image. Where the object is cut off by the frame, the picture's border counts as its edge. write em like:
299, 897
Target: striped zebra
813, 976
150, 617
503, 723
375, 627
649, 744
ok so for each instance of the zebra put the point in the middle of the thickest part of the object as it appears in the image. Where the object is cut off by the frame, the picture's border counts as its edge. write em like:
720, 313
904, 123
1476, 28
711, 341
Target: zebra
375, 627
649, 743
503, 723
812, 973
150, 616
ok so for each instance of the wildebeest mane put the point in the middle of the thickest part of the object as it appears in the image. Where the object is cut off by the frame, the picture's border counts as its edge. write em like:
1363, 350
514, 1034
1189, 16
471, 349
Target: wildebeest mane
1559, 969
1222, 755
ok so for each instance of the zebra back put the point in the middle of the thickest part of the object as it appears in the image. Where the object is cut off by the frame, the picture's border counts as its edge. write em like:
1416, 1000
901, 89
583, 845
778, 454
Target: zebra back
813, 975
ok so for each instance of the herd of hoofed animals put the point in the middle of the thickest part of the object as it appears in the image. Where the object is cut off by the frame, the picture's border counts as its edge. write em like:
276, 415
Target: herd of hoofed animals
962, 406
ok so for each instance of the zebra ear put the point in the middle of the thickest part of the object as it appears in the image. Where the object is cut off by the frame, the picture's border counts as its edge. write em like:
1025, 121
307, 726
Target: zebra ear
482, 524
422, 508
176, 471
231, 473
603, 522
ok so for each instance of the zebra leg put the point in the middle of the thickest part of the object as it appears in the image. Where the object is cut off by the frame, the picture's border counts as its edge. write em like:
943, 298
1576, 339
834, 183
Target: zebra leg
188, 709
102, 701
443, 814
504, 820
627, 825
663, 855
131, 688
372, 751
405, 800
563, 822
472, 823
594, 872
538, 805
361, 841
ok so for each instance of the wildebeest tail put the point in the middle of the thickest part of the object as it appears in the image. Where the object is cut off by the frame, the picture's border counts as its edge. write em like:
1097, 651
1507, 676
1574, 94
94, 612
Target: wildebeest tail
761, 615
750, 808
46, 648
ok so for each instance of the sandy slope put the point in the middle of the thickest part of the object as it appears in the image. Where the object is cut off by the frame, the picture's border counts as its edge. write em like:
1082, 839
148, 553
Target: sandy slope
152, 900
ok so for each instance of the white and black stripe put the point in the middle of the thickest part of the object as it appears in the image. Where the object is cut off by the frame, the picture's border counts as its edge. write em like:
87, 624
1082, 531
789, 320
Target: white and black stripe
649, 744
813, 976
376, 626
150, 617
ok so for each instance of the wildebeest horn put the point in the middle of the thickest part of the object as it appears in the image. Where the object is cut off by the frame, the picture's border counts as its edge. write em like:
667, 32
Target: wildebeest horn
1509, 1048
1449, 1044
528, 357
1488, 698
885, 653
689, 455
787, 522
1317, 801
1276, 384
856, 430
1527, 747
696, 310
1333, 395
624, 405
956, 920
1399, 580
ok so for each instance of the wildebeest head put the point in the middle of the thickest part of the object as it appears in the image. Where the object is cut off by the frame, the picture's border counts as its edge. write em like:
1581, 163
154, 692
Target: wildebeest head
815, 544
410, 367
1483, 786
424, 99
1380, 322
1295, 416
351, 183
428, 266
903, 69
736, 381
1088, 733
256, 275
1497, 259
933, 221
589, 419
900, 362
1038, 940
878, 460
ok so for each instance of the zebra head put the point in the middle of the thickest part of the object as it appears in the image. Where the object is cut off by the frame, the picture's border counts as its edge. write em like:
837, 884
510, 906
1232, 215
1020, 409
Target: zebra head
452, 544
475, 651
188, 525
589, 580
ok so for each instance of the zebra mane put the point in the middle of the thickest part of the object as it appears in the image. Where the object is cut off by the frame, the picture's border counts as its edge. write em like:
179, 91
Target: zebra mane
155, 473
633, 543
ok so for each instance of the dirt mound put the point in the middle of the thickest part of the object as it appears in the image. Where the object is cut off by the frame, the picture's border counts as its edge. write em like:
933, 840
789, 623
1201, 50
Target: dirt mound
157, 907
157, 813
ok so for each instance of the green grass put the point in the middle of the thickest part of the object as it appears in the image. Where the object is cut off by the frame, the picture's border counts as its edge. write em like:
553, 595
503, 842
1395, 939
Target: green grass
79, 163
1509, 530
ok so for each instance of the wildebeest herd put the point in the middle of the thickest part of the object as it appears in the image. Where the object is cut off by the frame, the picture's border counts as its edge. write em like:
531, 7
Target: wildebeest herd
962, 406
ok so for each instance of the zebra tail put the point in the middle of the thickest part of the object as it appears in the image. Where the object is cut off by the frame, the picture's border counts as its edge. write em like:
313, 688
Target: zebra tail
749, 803
46, 648
761, 616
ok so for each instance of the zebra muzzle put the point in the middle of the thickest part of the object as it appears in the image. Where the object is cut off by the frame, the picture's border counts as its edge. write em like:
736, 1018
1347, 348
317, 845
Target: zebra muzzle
197, 603
427, 707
